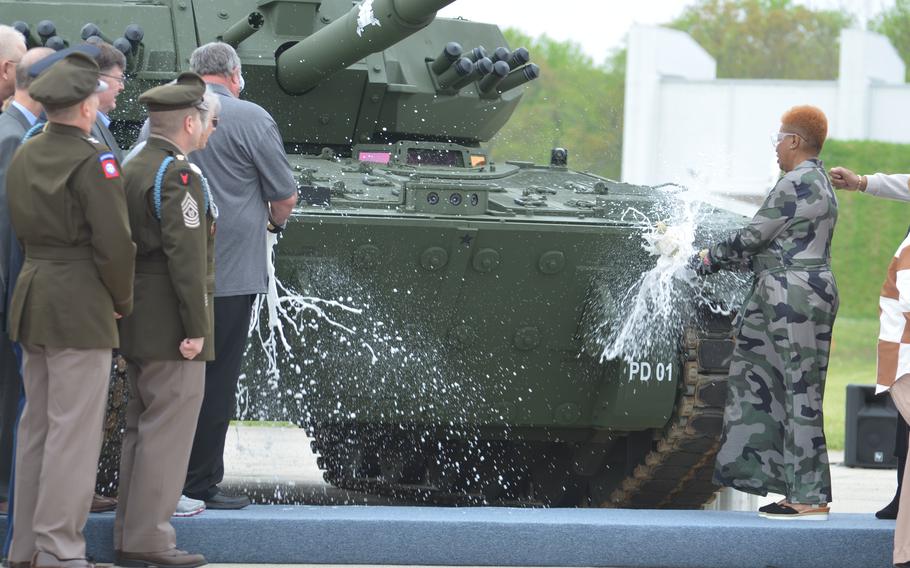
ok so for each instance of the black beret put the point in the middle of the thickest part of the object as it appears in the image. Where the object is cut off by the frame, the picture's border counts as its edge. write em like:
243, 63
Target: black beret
68, 81
187, 91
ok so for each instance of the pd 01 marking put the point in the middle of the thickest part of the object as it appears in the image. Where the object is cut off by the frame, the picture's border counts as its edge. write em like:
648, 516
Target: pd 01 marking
644, 371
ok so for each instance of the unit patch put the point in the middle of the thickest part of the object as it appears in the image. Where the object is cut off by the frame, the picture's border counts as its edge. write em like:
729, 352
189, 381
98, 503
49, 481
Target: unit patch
109, 165
184, 177
190, 211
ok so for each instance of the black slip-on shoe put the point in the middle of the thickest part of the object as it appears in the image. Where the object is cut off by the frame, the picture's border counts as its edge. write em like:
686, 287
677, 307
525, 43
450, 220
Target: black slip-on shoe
777, 511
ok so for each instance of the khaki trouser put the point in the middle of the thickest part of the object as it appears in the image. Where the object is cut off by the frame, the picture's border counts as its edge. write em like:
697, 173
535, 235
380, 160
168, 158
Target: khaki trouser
900, 394
165, 397
57, 448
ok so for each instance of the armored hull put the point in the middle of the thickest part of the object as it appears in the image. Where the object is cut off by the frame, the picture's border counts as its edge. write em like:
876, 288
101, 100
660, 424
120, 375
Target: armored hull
466, 376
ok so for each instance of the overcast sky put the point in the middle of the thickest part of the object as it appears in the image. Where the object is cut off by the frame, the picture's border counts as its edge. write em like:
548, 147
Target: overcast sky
600, 25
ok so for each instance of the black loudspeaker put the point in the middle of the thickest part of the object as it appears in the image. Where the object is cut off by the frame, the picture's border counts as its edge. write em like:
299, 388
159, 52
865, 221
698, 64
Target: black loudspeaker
870, 427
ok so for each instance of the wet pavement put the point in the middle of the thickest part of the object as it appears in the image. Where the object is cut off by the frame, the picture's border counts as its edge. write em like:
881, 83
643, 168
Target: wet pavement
275, 463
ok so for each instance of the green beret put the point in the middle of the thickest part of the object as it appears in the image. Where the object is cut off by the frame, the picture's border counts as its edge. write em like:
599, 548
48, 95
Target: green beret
67, 82
187, 91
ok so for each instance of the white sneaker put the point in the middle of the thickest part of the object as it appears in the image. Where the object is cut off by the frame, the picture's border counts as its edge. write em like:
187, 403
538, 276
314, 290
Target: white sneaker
187, 507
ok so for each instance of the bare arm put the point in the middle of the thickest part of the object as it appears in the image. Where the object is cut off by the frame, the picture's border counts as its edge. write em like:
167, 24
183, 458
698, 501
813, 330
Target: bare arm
279, 211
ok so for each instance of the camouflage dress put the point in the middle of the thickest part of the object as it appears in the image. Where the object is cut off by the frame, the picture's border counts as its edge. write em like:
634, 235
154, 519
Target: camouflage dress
774, 439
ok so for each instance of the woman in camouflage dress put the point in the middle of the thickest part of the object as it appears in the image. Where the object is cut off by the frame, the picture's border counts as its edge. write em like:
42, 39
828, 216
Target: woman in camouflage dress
774, 439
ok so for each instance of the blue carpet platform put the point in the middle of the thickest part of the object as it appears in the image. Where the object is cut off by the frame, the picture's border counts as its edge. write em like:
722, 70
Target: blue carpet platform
520, 537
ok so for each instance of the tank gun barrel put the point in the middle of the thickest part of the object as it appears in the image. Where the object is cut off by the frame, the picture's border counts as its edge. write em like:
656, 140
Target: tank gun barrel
243, 29
345, 41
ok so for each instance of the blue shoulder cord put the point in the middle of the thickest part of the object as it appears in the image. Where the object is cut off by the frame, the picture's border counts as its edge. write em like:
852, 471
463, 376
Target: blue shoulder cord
159, 179
32, 131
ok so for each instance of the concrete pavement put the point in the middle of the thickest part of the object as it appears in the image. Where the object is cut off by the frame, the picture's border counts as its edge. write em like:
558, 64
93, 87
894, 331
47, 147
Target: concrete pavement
277, 464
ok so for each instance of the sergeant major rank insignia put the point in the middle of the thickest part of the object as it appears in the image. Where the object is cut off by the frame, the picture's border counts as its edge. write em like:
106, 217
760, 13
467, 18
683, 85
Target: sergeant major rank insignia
190, 211
109, 165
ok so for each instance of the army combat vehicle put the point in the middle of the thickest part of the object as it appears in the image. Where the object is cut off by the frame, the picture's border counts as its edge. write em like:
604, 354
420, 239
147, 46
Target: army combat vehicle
451, 293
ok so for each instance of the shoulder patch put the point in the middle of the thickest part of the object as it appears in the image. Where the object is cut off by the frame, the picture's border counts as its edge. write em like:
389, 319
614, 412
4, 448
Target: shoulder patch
184, 176
190, 211
109, 165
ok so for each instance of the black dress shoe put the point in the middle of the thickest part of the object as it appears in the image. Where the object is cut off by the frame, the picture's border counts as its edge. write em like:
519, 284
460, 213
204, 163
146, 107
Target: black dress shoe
222, 500
889, 511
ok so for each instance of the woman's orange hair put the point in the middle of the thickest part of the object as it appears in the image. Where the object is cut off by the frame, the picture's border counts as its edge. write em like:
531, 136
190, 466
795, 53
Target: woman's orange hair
807, 121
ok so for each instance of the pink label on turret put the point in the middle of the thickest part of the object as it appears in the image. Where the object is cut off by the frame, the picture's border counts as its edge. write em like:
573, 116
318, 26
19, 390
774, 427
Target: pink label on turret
375, 157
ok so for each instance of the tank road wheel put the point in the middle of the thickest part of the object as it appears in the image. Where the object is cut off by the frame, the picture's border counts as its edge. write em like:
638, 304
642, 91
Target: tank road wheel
677, 471
114, 427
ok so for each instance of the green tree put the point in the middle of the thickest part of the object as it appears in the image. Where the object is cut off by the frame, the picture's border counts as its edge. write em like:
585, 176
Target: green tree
894, 23
766, 39
578, 104
574, 104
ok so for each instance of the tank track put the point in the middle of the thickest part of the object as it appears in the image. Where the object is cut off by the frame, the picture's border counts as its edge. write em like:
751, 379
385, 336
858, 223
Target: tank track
676, 473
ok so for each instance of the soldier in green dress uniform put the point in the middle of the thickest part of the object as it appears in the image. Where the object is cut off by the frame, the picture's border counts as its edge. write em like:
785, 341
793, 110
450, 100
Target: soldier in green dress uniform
68, 209
168, 337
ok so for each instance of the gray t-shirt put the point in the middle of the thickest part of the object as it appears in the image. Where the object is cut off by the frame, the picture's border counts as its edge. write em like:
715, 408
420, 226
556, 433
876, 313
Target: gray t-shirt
246, 168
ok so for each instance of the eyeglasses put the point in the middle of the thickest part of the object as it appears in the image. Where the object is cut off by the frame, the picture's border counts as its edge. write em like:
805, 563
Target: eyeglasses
777, 137
121, 79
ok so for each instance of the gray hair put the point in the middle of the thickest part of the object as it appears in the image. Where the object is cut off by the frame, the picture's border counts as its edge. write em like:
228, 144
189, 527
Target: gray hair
212, 104
9, 37
215, 58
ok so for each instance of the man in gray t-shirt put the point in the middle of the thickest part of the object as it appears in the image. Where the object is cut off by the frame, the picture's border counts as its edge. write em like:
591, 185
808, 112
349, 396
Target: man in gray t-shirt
253, 188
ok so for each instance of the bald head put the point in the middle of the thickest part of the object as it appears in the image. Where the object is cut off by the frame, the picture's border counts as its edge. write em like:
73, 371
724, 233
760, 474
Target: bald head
12, 48
32, 56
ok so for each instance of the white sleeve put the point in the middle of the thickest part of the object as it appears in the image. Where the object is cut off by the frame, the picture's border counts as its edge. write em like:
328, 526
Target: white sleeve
889, 186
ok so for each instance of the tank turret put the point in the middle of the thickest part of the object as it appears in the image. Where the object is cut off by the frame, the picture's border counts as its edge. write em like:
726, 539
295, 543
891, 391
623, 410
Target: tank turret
331, 74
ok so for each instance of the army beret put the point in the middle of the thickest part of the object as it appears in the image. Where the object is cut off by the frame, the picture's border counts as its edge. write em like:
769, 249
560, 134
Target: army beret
187, 91
43, 64
68, 81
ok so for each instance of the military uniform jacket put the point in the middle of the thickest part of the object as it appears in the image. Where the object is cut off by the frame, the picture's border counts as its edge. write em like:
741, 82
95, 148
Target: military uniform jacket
175, 269
68, 209
774, 439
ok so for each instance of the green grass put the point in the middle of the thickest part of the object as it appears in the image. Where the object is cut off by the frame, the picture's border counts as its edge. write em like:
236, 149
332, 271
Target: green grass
868, 228
868, 232
852, 362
